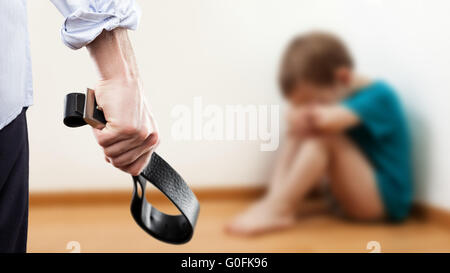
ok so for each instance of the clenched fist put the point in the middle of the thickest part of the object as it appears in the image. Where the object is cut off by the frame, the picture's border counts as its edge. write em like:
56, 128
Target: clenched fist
130, 134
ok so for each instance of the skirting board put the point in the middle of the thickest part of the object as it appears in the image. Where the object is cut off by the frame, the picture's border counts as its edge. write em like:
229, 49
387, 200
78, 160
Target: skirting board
432, 213
104, 197
420, 210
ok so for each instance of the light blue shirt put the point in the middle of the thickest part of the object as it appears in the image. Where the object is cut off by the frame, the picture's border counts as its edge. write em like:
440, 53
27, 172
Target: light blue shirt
84, 21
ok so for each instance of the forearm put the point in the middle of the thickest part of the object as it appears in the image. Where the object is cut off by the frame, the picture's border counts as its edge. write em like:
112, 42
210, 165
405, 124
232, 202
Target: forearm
333, 119
130, 134
113, 55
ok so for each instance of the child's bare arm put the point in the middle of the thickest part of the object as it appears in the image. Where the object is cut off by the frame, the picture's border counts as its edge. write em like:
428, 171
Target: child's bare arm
332, 118
299, 121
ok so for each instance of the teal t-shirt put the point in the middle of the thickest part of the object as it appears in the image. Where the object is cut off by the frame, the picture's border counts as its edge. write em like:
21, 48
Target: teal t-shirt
383, 137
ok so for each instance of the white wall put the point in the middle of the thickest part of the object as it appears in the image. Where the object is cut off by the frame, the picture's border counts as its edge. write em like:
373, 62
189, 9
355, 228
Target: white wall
227, 52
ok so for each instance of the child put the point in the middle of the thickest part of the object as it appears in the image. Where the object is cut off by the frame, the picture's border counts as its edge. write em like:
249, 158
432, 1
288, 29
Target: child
342, 127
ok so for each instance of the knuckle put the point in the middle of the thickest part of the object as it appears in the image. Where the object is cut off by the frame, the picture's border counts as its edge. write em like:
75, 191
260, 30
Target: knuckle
108, 153
154, 140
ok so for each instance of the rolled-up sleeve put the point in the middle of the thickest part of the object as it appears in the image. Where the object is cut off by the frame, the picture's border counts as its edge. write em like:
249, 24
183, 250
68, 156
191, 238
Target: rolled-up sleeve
86, 19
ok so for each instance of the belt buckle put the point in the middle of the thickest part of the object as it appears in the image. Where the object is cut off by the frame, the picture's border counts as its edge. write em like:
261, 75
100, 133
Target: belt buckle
92, 112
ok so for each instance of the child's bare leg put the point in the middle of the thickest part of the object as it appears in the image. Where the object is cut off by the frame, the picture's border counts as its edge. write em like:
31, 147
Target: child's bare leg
278, 208
284, 160
353, 181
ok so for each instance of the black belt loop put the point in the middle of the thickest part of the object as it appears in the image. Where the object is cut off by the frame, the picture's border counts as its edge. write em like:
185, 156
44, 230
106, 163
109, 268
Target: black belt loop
175, 229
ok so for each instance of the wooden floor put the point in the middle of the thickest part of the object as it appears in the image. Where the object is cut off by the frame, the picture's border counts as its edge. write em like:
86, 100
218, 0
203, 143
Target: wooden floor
109, 228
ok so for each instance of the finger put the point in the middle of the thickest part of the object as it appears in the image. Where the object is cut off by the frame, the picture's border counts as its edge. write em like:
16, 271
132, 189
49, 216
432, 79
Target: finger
121, 147
136, 167
132, 155
107, 136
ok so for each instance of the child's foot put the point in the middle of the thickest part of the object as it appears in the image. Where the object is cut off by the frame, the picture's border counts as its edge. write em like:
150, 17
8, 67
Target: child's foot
263, 216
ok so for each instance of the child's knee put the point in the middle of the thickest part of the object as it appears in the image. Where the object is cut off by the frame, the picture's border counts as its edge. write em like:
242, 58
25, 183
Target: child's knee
325, 141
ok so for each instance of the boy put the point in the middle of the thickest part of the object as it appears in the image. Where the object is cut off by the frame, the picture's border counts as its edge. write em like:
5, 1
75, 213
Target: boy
343, 127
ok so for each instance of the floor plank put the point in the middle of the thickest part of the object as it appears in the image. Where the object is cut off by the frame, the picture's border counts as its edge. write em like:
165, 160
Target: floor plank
110, 228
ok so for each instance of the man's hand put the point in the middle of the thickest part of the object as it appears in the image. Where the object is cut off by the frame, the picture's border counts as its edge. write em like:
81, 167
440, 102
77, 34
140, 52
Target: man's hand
130, 135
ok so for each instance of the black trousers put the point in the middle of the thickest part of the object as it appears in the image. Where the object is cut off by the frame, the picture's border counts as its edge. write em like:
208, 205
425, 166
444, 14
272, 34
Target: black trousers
14, 157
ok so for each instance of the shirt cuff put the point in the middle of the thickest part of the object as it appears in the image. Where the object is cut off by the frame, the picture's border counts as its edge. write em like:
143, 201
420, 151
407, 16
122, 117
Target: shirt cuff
84, 24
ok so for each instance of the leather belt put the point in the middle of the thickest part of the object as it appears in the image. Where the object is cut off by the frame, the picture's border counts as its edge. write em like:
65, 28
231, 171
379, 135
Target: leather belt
81, 109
